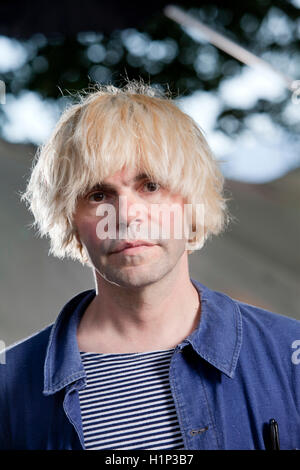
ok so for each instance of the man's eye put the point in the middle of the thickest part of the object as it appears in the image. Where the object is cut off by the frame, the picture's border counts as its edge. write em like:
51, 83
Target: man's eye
152, 186
99, 195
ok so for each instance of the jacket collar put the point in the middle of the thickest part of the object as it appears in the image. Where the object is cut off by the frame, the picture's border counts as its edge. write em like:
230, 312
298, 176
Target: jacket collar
217, 338
63, 364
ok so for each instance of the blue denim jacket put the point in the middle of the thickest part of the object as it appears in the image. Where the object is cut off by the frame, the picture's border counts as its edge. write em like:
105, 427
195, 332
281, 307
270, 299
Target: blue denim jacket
234, 373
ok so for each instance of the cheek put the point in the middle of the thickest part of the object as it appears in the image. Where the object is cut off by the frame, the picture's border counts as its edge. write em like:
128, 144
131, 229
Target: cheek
172, 223
87, 231
93, 243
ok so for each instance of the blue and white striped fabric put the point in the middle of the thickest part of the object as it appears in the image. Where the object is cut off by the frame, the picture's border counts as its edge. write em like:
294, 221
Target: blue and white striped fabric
127, 402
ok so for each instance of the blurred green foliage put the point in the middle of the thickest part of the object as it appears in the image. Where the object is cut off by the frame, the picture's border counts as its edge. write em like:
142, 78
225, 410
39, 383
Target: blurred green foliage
162, 53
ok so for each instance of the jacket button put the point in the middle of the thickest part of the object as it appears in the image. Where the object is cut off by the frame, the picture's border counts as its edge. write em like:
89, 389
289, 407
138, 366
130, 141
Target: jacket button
198, 431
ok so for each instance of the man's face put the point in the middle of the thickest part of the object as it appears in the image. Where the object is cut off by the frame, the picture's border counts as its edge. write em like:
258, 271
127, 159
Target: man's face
138, 211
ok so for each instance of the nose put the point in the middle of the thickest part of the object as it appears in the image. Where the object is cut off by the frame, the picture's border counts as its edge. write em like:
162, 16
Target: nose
130, 210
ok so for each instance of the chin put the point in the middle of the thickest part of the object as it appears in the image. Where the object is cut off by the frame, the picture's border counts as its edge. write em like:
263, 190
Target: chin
133, 277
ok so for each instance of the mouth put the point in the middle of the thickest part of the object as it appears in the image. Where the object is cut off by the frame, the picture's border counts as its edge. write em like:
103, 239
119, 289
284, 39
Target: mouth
133, 248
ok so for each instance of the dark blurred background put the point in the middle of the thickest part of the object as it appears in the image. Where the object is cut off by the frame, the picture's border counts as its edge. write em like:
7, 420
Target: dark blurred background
50, 50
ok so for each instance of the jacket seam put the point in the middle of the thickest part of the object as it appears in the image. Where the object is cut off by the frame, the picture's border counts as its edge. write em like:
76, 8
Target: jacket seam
239, 332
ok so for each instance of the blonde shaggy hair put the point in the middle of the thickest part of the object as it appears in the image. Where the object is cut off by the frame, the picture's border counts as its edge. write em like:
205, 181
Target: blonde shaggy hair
109, 128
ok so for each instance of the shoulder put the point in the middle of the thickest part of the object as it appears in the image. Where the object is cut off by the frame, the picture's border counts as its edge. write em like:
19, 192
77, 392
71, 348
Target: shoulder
265, 321
30, 343
270, 337
25, 354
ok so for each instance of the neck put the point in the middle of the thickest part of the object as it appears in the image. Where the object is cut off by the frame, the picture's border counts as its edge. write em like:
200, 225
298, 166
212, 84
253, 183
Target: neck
157, 316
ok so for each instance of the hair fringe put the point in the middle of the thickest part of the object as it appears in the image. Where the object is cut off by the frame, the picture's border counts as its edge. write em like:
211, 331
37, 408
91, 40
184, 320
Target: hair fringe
106, 128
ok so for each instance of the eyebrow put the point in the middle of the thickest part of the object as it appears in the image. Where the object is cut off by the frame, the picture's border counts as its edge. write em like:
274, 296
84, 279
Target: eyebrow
110, 187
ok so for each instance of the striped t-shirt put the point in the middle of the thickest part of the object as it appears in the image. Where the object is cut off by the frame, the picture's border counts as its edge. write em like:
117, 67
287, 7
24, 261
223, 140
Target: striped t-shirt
127, 402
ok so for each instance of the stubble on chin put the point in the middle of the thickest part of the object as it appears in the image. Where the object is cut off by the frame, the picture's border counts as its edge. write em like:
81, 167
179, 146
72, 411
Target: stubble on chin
136, 272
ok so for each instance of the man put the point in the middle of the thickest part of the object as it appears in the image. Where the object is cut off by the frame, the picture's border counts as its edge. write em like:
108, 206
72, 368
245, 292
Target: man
150, 358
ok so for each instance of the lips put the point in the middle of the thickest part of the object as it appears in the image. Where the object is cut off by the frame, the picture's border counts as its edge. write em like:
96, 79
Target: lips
123, 246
